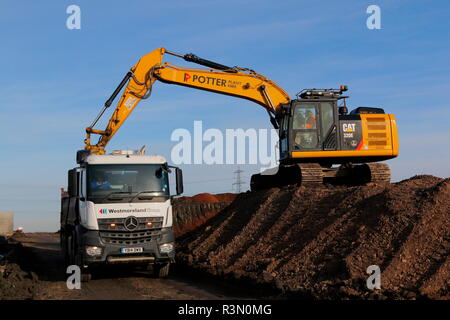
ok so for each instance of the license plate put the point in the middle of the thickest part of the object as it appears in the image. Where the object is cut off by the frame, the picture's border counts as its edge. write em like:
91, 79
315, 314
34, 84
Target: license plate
131, 250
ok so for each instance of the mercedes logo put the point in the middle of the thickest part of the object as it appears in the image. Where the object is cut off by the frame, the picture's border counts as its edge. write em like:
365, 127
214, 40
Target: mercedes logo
131, 223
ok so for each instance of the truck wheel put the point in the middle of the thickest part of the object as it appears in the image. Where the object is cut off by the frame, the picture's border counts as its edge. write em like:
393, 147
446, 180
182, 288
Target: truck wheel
76, 255
70, 250
64, 249
161, 270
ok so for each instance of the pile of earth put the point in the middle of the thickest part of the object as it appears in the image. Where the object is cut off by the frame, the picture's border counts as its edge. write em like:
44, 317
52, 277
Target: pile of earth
319, 242
16, 283
209, 198
191, 212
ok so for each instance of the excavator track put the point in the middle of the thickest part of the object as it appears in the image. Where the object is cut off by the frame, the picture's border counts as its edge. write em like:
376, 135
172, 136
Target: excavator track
310, 173
378, 172
305, 174
313, 174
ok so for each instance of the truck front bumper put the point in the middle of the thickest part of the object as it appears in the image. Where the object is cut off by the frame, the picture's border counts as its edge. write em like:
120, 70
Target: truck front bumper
113, 253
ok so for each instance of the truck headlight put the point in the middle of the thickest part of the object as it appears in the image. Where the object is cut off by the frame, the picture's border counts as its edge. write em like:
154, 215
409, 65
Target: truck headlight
166, 247
93, 251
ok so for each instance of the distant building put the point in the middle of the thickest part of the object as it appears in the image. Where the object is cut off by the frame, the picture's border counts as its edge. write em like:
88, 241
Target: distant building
6, 223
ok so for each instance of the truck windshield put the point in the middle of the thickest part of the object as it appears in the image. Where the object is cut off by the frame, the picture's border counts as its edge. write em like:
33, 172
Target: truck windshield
127, 180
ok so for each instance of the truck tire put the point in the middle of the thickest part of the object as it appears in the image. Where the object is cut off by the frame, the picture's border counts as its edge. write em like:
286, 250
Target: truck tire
64, 250
77, 259
70, 249
161, 270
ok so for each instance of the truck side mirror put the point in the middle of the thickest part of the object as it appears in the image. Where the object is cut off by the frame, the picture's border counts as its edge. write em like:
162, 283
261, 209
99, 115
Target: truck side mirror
179, 180
72, 183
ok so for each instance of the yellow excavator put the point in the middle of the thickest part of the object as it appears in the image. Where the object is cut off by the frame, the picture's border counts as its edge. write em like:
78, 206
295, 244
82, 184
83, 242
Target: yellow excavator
319, 140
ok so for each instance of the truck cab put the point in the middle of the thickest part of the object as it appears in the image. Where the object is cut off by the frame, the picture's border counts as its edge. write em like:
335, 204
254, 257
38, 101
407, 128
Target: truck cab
118, 209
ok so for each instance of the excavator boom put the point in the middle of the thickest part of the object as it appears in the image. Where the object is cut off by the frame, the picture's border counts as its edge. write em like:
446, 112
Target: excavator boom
237, 82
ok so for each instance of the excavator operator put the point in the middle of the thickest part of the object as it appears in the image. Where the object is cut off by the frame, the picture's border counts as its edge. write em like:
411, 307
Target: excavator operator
310, 120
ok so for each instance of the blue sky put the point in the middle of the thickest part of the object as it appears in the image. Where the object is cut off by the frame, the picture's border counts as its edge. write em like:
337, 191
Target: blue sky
54, 80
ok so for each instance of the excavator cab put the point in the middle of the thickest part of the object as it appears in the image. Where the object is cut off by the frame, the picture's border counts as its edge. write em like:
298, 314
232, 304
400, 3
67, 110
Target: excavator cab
309, 123
321, 142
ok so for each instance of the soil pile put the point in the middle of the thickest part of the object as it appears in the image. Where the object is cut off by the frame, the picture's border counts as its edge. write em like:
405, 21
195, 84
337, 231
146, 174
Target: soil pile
319, 242
15, 282
191, 212
204, 198
226, 197
209, 198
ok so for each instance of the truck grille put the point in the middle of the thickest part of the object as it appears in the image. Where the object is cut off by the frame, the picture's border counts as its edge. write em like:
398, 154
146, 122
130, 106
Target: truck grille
113, 231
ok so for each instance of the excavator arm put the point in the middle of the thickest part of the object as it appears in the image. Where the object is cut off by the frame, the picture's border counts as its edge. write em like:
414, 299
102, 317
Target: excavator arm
234, 81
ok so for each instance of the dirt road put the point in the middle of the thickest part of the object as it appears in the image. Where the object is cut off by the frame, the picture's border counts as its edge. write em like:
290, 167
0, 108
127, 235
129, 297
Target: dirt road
42, 259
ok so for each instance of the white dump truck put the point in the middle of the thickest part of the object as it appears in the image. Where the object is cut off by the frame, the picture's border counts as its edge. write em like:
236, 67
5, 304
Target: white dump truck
117, 209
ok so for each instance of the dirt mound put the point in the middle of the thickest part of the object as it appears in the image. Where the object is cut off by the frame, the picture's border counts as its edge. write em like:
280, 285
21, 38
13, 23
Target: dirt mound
188, 215
319, 242
15, 282
203, 198
226, 197
191, 212
209, 198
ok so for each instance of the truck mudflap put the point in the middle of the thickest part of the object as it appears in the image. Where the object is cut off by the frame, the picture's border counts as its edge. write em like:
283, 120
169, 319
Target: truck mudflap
143, 253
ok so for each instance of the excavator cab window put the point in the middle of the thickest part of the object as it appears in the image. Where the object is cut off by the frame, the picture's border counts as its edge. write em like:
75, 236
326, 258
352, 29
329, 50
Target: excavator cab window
305, 126
311, 124
326, 112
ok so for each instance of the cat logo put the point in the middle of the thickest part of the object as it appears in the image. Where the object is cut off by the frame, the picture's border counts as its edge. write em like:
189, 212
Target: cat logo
348, 127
